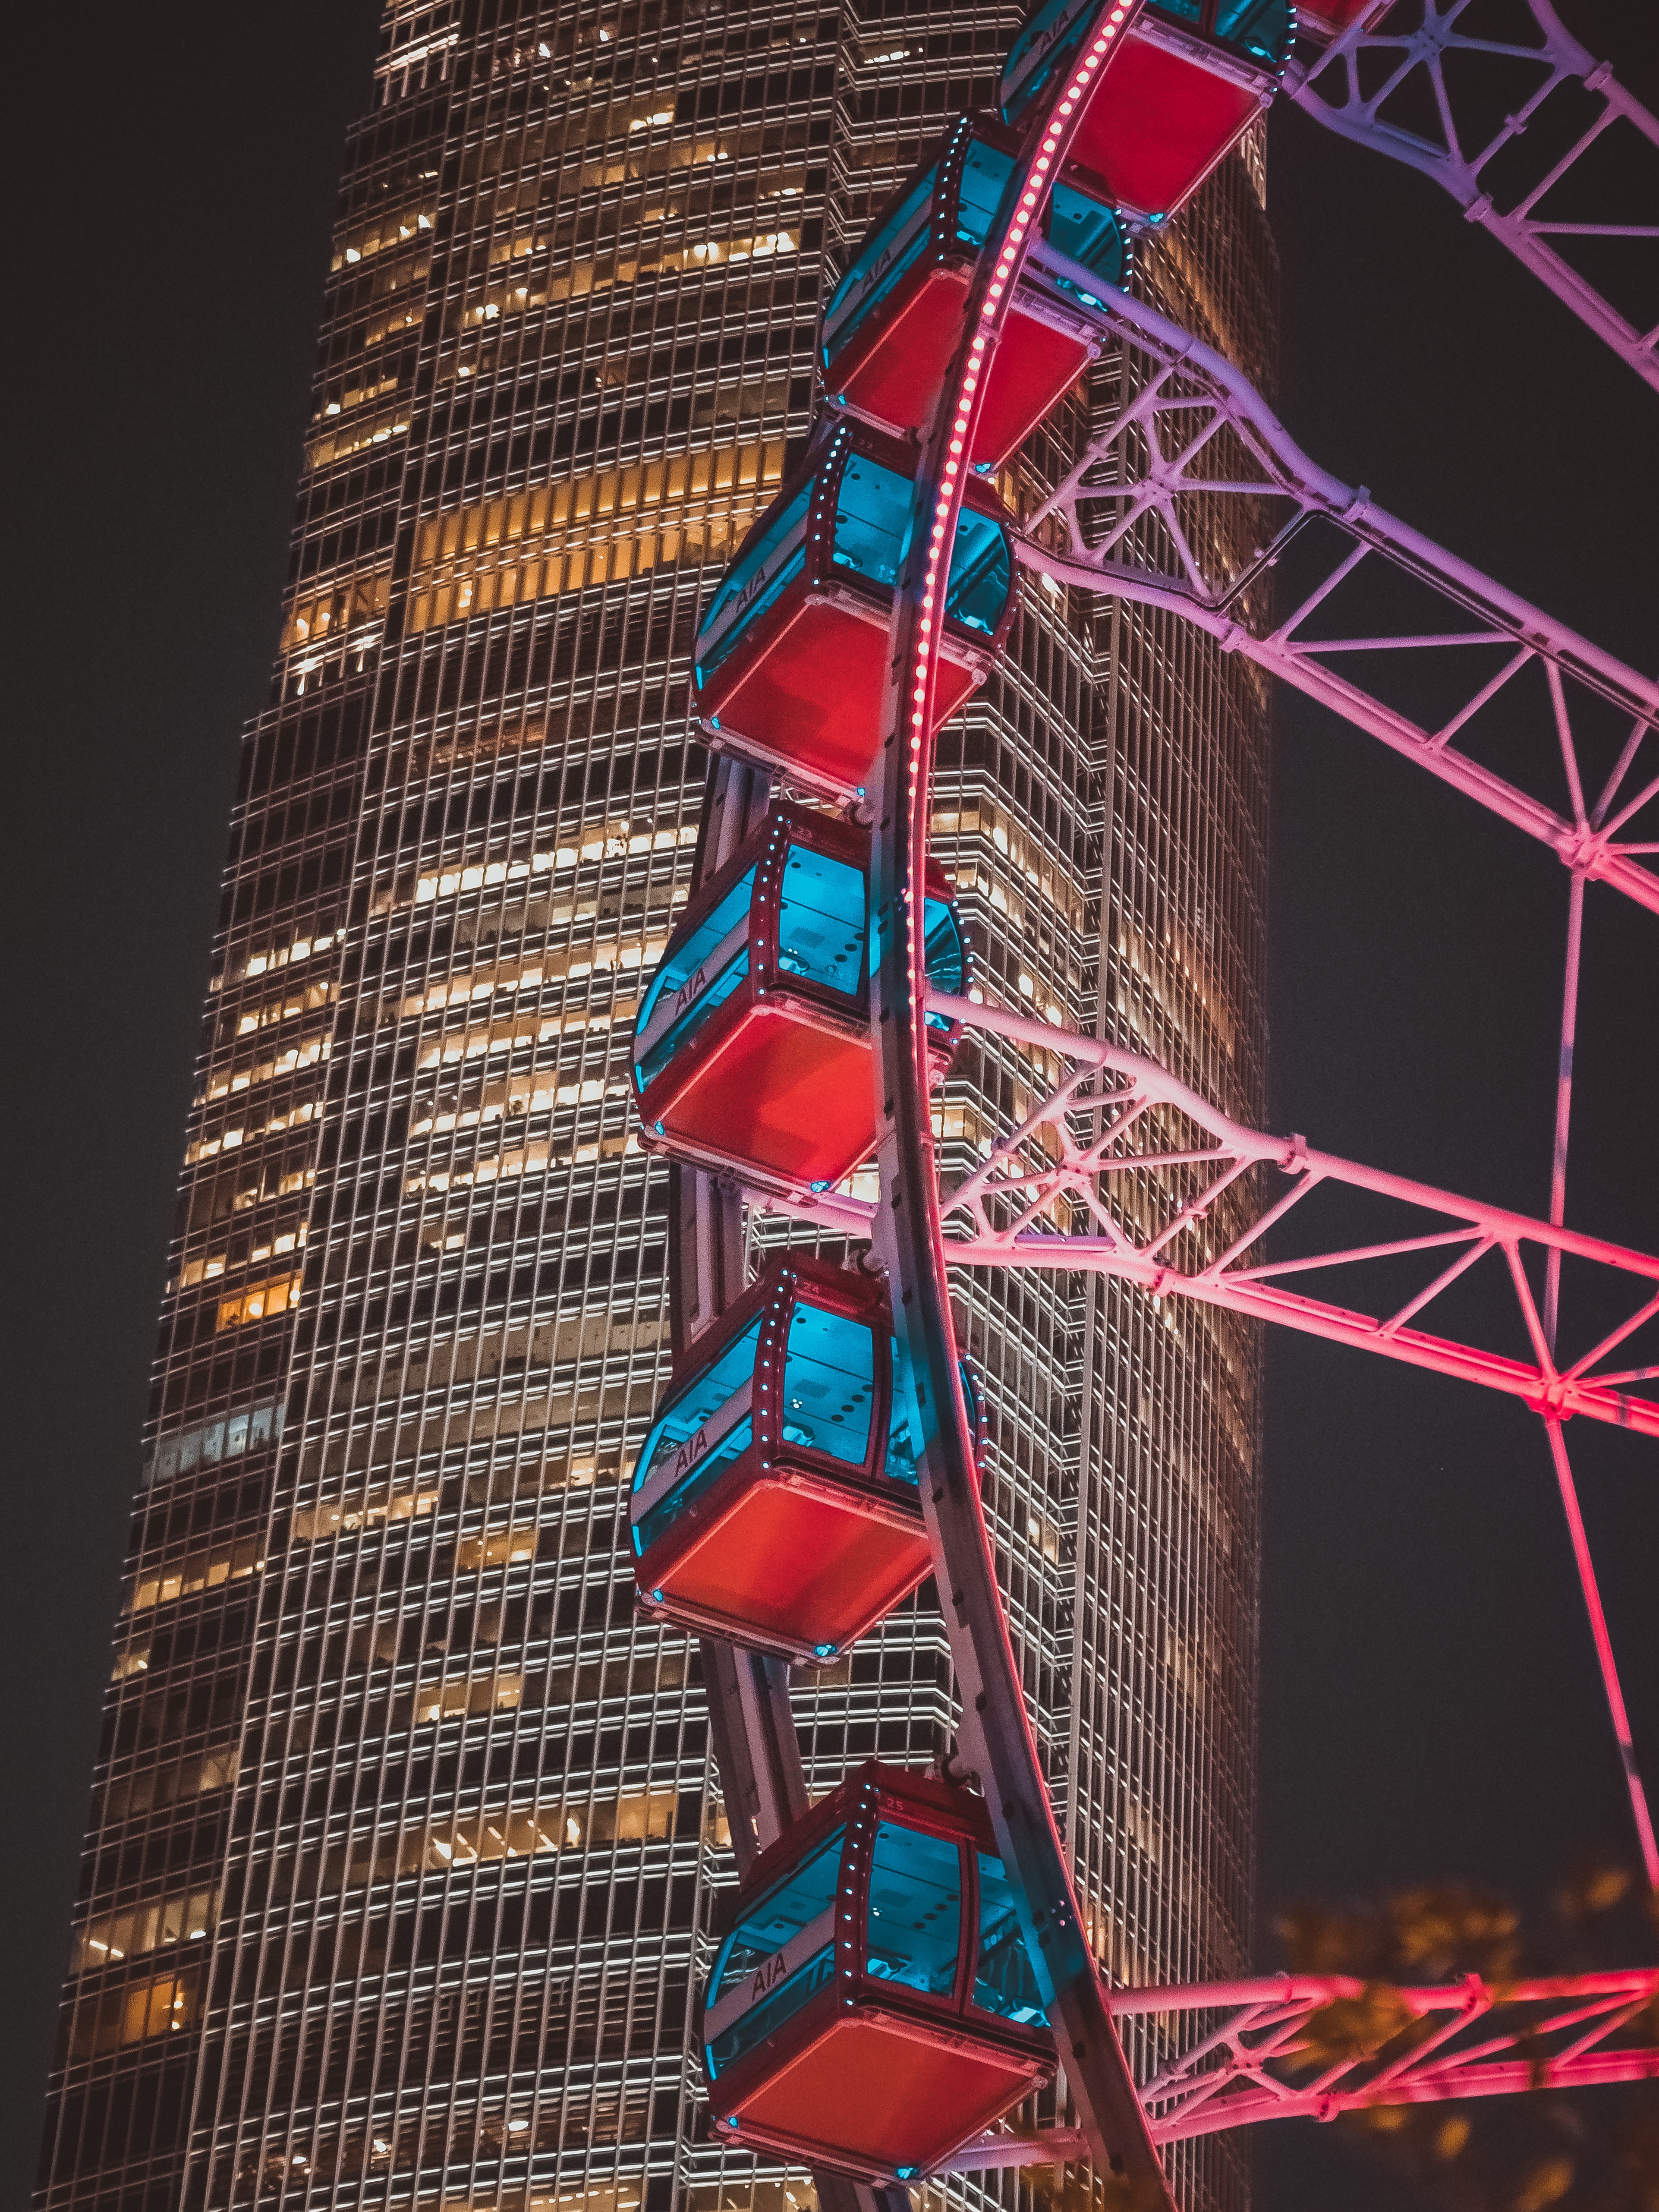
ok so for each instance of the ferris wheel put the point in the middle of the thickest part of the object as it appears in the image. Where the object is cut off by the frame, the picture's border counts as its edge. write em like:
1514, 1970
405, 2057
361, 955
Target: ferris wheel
907, 1959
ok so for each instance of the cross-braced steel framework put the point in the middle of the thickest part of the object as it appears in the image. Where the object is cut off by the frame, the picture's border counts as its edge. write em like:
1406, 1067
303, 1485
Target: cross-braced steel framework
1364, 84
1116, 1168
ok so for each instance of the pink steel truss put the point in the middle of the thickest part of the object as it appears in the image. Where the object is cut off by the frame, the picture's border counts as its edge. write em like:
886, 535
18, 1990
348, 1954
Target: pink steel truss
1129, 519
1311, 2046
1361, 87
1119, 1169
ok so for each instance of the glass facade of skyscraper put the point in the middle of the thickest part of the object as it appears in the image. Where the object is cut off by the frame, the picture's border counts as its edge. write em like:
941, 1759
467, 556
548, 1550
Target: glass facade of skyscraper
406, 1849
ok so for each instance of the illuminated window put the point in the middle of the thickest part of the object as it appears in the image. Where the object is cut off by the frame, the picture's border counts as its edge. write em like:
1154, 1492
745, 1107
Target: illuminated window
462, 1699
260, 1302
165, 2006
588, 530
495, 1547
197, 1571
186, 1917
372, 1508
357, 433
311, 1053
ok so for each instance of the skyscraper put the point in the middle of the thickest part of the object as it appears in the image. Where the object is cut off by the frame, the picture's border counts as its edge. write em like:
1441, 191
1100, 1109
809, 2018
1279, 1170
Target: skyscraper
405, 1841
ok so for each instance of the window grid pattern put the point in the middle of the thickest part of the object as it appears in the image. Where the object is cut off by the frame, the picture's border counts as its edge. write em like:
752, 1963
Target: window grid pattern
409, 1826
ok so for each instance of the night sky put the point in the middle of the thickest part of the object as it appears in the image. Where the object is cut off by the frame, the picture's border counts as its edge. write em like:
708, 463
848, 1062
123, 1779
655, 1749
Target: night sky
1430, 1709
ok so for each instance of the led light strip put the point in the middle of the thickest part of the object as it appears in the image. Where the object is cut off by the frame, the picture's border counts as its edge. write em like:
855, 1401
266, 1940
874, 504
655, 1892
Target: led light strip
1061, 120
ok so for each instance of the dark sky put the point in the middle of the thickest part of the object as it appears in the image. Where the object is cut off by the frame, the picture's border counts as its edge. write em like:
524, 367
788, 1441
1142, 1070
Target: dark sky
1430, 1704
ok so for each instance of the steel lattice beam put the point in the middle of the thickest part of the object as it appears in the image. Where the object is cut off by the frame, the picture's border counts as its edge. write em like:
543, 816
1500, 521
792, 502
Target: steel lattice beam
1128, 519
1117, 1167
1311, 2046
1351, 86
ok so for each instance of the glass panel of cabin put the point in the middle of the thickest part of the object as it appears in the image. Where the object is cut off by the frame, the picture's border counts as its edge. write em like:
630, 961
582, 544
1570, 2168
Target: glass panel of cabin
878, 267
915, 1910
696, 1406
1003, 1980
754, 583
982, 573
821, 920
1087, 232
720, 977
762, 1932
873, 511
942, 944
1062, 21
1259, 29
829, 1383
985, 172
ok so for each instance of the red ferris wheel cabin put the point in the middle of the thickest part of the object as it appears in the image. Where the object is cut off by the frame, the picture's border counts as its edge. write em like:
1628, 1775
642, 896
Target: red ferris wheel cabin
774, 1502
874, 2007
792, 655
1180, 89
751, 1048
895, 322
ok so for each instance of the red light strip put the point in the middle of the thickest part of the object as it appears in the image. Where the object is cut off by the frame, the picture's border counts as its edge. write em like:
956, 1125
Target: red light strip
993, 308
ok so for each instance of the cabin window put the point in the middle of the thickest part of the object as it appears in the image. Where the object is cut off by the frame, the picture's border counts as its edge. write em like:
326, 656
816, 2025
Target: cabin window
694, 981
1003, 1980
1259, 28
1063, 21
821, 920
942, 942
915, 1910
881, 263
697, 1408
829, 1384
985, 173
801, 1906
754, 583
1087, 231
872, 513
980, 573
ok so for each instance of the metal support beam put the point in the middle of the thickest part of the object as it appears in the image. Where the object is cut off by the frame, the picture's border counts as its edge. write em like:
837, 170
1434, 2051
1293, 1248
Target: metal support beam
1349, 88
1126, 520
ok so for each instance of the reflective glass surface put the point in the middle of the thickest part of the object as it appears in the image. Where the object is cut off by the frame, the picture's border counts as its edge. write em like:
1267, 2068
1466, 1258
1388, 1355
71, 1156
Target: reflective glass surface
754, 583
982, 573
1087, 232
947, 963
683, 1416
1024, 77
821, 920
829, 1383
985, 172
1259, 29
680, 968
760, 1934
1003, 1980
872, 511
885, 257
915, 1910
